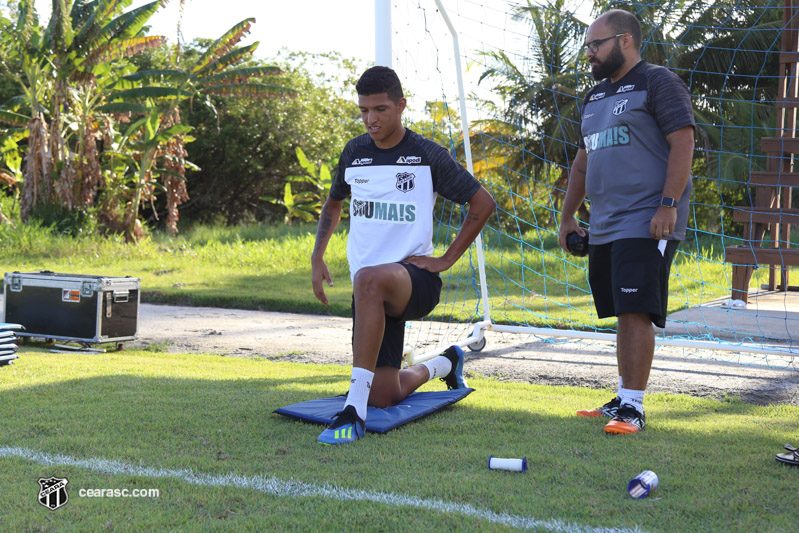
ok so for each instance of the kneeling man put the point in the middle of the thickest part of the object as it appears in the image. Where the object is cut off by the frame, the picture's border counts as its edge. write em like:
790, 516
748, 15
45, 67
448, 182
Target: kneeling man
392, 175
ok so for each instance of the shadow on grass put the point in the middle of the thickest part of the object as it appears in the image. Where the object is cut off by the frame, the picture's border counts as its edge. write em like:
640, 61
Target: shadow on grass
261, 293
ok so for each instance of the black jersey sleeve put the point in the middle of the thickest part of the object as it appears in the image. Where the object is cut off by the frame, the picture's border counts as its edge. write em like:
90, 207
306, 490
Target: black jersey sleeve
340, 189
450, 179
669, 100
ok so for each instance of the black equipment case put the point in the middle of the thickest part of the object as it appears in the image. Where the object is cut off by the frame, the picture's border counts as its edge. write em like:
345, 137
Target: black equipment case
73, 307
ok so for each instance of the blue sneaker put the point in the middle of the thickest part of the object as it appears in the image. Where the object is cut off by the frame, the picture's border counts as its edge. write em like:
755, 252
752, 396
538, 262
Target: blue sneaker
346, 427
454, 379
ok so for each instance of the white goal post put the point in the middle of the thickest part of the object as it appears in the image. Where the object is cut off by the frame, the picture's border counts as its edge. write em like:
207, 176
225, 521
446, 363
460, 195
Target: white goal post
477, 339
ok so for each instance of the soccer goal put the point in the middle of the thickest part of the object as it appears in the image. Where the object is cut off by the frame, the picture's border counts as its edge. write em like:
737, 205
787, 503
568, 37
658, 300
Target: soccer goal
501, 83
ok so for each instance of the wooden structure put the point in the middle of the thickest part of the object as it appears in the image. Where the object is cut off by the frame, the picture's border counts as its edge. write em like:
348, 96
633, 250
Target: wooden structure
773, 188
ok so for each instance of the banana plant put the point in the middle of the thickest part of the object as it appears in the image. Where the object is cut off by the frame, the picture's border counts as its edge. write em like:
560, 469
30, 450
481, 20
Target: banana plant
70, 64
219, 71
302, 205
140, 148
307, 205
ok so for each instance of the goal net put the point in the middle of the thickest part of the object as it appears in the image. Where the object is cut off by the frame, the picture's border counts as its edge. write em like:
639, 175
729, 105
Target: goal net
524, 75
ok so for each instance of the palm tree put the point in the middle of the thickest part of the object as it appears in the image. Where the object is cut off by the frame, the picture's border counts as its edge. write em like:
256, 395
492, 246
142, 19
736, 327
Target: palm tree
63, 71
78, 88
723, 51
726, 54
535, 133
220, 70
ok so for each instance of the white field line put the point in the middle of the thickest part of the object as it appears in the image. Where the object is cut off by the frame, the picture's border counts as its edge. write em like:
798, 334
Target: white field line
294, 489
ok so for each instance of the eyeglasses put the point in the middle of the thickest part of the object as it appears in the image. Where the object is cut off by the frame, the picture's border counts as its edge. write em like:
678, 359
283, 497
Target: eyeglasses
593, 46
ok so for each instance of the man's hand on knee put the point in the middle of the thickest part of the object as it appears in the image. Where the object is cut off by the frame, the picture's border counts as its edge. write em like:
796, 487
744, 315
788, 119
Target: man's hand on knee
429, 263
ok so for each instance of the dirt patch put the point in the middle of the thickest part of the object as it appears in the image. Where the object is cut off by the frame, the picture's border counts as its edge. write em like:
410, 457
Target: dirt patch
323, 339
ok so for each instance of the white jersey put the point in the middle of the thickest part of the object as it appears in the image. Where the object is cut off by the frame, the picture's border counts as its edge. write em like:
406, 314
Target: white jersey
393, 195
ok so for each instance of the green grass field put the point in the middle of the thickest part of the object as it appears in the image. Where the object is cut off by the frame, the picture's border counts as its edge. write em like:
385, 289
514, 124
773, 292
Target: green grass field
200, 429
268, 267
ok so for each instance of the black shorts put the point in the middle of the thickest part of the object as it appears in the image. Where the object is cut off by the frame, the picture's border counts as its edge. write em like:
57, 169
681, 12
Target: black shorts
631, 276
425, 292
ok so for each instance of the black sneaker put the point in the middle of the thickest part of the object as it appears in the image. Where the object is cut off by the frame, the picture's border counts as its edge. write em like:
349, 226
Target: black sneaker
627, 420
608, 410
454, 379
346, 427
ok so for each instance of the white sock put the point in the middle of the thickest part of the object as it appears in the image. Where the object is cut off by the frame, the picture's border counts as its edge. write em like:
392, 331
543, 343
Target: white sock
360, 385
632, 397
621, 386
438, 367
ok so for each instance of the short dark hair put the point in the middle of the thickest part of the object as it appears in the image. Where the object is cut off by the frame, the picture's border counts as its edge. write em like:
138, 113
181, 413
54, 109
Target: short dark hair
378, 80
621, 21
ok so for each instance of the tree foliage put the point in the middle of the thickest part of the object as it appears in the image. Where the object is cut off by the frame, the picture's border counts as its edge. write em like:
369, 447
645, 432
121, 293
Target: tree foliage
102, 134
247, 148
537, 125
724, 51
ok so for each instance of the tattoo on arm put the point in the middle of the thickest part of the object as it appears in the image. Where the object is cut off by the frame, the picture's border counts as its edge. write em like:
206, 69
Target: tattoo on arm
471, 219
325, 221
324, 228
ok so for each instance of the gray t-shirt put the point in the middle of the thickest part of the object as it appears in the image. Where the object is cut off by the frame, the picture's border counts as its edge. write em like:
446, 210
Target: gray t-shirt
623, 131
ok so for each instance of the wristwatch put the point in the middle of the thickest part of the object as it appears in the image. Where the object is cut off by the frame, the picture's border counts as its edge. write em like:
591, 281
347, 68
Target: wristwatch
665, 201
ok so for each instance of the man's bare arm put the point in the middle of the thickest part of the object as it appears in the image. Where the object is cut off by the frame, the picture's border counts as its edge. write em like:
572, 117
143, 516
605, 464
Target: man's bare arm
328, 220
678, 174
575, 195
481, 205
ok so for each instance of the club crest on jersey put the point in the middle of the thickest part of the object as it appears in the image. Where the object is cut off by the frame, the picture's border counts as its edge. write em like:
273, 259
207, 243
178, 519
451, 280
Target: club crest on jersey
409, 160
362, 161
405, 181
620, 106
625, 88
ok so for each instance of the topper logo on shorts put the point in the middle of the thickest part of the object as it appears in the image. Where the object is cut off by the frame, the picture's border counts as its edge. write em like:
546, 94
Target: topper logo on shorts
627, 291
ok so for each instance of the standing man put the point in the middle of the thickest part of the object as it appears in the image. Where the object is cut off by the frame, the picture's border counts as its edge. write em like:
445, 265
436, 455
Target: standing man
393, 176
634, 164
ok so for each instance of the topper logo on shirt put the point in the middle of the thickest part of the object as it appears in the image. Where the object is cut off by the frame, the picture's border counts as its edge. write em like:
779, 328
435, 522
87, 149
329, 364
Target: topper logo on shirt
620, 106
362, 161
625, 89
405, 181
409, 160
596, 96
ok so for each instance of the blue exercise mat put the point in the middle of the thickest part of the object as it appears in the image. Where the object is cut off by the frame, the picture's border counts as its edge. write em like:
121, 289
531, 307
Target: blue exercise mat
417, 405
